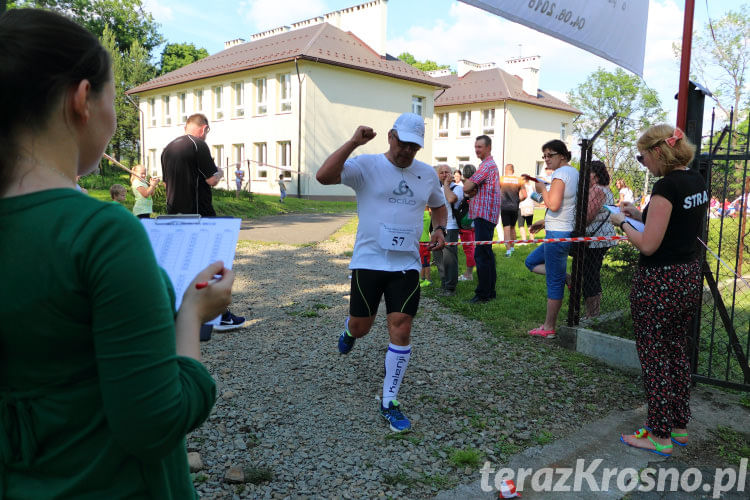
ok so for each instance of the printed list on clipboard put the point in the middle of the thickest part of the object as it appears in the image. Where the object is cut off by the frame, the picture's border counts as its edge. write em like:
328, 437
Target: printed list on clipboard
638, 225
185, 245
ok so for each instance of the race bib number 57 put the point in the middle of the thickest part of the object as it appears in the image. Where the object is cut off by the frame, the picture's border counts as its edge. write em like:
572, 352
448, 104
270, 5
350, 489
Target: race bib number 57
397, 237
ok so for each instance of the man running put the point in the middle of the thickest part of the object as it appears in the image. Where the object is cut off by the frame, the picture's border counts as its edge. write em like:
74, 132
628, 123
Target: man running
392, 190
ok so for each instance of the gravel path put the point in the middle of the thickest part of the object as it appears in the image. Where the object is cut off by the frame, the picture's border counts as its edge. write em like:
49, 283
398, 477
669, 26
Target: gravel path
294, 419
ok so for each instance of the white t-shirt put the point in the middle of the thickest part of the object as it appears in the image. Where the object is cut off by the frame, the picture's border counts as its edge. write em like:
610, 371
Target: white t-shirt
458, 190
564, 218
390, 204
626, 194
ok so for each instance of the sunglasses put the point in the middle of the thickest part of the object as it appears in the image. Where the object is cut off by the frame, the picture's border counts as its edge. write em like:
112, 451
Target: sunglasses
640, 159
550, 155
411, 146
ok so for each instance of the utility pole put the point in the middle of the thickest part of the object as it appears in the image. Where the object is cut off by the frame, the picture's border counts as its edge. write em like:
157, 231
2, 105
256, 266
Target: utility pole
687, 42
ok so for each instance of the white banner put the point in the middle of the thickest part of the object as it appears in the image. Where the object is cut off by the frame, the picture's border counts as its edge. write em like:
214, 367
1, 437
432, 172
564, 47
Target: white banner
612, 29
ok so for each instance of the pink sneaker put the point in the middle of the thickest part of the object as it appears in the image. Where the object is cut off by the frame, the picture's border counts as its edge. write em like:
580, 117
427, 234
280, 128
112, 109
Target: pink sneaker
541, 332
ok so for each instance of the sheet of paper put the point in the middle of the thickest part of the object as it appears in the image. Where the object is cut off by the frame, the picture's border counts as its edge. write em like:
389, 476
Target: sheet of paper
638, 225
185, 246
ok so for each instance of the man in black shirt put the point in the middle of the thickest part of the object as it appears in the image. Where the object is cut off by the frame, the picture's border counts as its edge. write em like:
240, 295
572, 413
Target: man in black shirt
189, 173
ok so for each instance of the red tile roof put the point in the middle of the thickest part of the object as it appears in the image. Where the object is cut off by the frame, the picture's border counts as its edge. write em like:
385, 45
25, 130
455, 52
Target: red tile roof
322, 43
493, 85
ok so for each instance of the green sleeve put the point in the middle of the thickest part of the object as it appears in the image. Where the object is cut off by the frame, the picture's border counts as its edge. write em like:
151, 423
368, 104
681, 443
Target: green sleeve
151, 397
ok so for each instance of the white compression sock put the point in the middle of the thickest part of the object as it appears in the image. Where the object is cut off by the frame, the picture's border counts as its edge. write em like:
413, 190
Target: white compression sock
396, 360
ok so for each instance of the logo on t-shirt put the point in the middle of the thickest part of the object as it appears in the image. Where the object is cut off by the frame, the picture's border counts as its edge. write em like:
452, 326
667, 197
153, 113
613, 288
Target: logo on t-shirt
403, 189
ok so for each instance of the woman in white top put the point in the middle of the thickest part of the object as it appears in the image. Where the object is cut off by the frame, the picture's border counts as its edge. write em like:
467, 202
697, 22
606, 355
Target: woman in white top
142, 191
625, 193
551, 259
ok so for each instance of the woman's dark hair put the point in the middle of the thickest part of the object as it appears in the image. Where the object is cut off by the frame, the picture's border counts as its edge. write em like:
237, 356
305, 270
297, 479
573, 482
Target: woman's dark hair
600, 171
42, 55
558, 146
469, 170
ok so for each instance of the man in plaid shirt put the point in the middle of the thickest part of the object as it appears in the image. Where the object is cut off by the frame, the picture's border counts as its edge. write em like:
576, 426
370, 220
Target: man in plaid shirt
484, 187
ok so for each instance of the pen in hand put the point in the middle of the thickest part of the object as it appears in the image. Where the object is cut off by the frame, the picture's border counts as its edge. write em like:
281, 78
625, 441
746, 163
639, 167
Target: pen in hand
204, 284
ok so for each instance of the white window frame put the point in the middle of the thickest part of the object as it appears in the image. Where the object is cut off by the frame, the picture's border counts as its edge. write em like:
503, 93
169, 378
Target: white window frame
182, 100
488, 121
563, 131
217, 94
261, 96
285, 93
238, 153
198, 94
462, 160
260, 152
152, 111
441, 159
238, 99
464, 124
443, 121
166, 105
217, 151
151, 161
417, 105
284, 155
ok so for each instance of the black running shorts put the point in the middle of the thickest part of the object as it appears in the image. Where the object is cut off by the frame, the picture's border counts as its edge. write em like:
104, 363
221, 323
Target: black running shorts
508, 217
401, 290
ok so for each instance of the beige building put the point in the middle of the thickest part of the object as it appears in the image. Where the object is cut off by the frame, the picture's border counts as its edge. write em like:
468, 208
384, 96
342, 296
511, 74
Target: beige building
280, 104
509, 108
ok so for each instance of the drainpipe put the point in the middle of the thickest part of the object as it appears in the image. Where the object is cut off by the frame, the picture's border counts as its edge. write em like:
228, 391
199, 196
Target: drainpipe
505, 127
299, 130
142, 131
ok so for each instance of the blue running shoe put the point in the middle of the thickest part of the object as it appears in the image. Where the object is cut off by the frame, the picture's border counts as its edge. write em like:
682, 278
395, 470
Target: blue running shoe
346, 341
393, 415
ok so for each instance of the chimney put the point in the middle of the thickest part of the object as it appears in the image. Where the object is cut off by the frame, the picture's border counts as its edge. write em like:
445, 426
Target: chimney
232, 43
463, 66
527, 68
439, 72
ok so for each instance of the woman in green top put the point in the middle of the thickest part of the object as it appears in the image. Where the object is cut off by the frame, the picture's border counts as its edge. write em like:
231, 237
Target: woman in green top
142, 191
95, 397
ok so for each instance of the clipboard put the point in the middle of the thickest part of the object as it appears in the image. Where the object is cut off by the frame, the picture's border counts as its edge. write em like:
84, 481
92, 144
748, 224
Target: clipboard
185, 244
637, 225
535, 179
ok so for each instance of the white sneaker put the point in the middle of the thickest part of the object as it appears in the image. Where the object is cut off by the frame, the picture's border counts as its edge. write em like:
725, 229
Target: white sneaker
464, 278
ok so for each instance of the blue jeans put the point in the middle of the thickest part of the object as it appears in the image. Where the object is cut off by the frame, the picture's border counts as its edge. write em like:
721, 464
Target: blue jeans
554, 256
485, 258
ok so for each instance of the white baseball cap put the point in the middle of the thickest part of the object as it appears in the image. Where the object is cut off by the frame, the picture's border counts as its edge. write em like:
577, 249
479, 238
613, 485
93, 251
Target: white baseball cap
410, 128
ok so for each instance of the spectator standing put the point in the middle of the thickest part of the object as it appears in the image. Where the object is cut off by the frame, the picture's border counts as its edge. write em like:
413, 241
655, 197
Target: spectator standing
239, 175
457, 178
550, 259
598, 224
467, 234
118, 193
142, 190
447, 258
189, 173
526, 211
512, 191
484, 189
625, 194
282, 188
99, 391
665, 294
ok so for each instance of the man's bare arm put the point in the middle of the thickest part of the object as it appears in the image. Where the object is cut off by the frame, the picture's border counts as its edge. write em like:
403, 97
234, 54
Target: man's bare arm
330, 171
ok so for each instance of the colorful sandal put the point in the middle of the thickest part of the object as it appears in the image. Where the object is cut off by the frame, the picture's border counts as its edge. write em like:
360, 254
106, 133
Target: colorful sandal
680, 435
660, 449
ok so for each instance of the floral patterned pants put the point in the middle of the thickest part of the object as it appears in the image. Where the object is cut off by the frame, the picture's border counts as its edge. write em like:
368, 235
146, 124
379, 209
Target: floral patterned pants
663, 302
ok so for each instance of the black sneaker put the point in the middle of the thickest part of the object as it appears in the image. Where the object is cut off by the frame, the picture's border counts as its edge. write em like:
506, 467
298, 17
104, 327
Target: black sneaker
229, 322
346, 341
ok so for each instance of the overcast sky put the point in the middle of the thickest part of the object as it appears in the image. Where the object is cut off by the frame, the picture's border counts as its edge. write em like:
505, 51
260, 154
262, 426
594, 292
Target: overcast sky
444, 31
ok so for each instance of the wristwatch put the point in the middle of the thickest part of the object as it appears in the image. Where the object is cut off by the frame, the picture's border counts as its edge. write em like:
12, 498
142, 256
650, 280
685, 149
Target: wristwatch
442, 228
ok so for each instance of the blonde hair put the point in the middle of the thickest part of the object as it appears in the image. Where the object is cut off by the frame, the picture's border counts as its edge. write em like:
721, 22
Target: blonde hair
134, 177
679, 155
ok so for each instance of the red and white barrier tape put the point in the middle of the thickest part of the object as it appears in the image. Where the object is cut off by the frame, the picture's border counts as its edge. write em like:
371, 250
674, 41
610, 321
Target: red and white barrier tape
540, 240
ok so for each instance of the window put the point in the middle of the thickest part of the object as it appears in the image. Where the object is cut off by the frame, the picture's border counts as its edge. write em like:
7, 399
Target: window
218, 154
441, 159
417, 105
260, 96
284, 154
198, 100
167, 117
238, 154
462, 159
285, 93
260, 159
218, 104
540, 169
151, 161
152, 110
563, 131
465, 123
238, 109
442, 124
488, 121
183, 107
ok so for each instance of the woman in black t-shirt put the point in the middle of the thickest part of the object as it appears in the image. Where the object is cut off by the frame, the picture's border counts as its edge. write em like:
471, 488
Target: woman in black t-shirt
667, 285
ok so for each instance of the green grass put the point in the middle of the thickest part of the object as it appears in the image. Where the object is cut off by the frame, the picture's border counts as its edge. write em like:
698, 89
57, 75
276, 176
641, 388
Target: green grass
733, 445
467, 457
248, 206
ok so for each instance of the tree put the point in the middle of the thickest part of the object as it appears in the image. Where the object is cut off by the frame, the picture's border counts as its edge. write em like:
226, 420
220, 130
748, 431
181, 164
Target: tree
720, 58
426, 65
637, 106
125, 18
177, 55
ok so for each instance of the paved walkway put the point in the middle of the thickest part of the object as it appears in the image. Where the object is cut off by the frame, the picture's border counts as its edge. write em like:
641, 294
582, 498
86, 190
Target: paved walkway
293, 229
